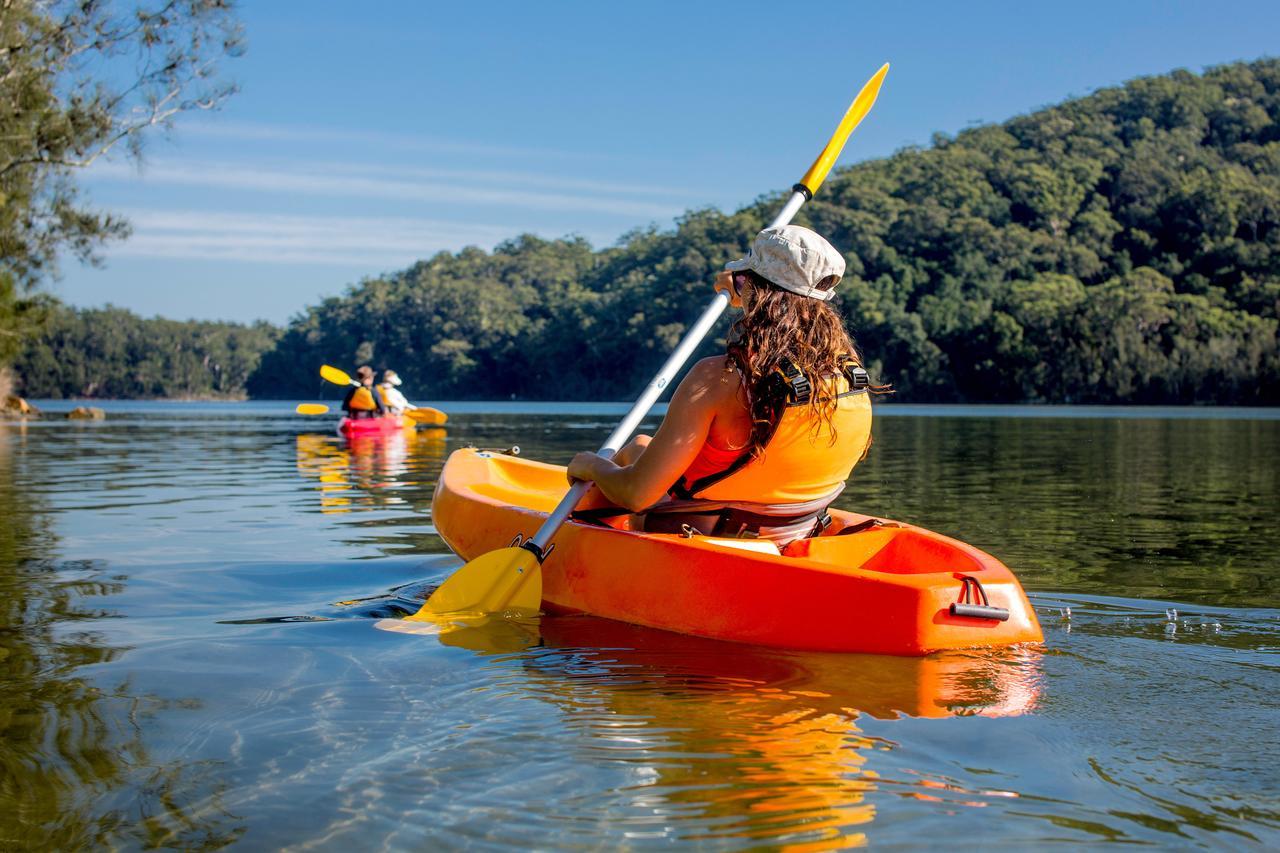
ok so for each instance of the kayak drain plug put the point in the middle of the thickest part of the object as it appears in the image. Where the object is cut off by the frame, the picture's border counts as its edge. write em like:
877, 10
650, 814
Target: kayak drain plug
974, 604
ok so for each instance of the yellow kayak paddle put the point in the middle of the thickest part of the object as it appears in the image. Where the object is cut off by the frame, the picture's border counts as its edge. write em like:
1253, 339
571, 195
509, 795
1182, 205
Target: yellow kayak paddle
336, 376
419, 414
510, 579
427, 415
312, 409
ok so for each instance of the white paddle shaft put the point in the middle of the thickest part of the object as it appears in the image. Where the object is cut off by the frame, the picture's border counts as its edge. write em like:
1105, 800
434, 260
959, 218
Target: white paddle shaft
619, 436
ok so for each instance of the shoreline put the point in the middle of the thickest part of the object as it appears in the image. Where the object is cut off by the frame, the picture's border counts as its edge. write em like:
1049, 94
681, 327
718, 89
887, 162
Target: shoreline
616, 409
86, 401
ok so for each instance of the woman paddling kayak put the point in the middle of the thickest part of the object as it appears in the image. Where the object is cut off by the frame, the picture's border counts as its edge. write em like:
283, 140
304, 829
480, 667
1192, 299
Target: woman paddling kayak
757, 442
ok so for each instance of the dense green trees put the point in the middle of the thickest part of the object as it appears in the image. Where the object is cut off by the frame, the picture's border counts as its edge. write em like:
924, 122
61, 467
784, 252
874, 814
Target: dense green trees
1121, 247
111, 352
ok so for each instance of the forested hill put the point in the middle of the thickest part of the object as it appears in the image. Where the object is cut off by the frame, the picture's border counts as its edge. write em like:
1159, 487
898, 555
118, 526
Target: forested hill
111, 352
1120, 247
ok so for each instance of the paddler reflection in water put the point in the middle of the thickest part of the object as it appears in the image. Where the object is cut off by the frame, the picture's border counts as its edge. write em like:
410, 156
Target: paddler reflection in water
757, 442
361, 401
390, 393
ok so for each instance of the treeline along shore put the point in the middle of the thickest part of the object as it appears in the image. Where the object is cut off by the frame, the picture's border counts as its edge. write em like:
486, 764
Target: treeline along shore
1122, 247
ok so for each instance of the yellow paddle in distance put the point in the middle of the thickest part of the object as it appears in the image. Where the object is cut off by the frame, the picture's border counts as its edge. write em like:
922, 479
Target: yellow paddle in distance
312, 409
336, 376
427, 415
510, 579
419, 414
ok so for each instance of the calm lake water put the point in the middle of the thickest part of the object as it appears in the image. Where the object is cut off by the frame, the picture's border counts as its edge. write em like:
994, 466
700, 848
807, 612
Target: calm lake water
190, 652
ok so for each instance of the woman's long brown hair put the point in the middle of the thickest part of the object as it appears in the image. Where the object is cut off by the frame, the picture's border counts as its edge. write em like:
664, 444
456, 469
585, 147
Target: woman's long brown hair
779, 328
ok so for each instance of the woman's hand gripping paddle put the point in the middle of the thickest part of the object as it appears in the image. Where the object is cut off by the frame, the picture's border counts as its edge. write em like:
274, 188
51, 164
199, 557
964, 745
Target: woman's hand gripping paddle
420, 414
510, 579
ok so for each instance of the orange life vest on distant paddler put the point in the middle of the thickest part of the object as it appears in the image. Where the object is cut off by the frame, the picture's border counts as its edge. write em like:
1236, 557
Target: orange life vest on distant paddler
362, 400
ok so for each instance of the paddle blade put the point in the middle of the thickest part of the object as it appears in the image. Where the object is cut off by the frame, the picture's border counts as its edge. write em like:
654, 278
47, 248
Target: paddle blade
852, 118
427, 415
336, 376
484, 634
312, 409
503, 580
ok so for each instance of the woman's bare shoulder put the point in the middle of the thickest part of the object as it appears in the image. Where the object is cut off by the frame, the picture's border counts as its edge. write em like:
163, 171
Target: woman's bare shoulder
712, 384
715, 373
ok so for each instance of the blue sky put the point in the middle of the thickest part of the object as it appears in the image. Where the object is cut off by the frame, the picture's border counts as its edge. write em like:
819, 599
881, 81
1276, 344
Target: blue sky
367, 136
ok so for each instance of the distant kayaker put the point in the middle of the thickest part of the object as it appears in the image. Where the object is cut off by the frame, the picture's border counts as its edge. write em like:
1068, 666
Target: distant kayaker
757, 442
361, 401
390, 391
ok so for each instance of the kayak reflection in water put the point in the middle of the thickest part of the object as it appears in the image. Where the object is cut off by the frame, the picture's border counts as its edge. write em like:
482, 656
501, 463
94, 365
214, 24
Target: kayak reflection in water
361, 401
390, 393
757, 442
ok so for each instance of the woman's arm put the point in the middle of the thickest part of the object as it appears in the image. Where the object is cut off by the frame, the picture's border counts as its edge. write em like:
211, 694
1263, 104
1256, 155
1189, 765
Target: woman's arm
684, 430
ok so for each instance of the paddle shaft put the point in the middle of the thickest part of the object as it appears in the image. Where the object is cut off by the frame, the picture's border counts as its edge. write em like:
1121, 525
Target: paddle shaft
652, 391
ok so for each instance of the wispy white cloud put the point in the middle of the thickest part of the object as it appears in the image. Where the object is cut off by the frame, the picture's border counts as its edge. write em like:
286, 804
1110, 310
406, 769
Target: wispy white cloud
380, 143
354, 184
375, 243
541, 179
266, 132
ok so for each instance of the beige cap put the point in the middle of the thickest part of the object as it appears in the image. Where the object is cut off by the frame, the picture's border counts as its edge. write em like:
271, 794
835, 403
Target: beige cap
793, 258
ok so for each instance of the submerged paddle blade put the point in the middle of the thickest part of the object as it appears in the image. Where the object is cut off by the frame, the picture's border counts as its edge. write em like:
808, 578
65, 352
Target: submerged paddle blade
507, 579
336, 376
852, 118
427, 415
312, 409
485, 634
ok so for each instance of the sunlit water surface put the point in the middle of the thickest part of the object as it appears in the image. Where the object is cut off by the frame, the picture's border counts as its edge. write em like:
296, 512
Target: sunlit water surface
190, 653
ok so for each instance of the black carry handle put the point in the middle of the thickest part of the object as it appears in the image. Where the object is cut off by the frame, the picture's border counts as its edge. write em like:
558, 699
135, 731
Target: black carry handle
969, 606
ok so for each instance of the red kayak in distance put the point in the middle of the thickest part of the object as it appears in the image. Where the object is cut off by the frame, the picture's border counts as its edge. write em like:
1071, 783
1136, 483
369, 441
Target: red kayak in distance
352, 427
419, 416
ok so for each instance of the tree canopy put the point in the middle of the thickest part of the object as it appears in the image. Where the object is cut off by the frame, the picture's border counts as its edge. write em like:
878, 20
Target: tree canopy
1122, 247
111, 352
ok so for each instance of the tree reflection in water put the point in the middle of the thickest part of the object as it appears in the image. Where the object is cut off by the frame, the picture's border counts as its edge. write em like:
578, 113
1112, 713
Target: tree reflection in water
75, 770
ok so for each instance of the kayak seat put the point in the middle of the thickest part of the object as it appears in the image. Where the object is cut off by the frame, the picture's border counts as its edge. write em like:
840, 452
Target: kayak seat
759, 546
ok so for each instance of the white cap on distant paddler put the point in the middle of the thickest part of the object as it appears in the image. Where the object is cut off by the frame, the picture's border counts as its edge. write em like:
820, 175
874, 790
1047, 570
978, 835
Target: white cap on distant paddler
794, 258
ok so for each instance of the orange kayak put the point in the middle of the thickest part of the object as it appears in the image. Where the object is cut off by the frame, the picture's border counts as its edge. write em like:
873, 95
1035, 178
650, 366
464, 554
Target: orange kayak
864, 585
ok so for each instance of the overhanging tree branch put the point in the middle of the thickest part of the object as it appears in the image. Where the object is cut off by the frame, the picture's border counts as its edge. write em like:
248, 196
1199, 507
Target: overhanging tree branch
77, 79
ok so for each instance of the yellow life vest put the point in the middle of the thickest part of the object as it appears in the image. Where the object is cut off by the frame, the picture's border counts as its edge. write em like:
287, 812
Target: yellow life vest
799, 464
362, 400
